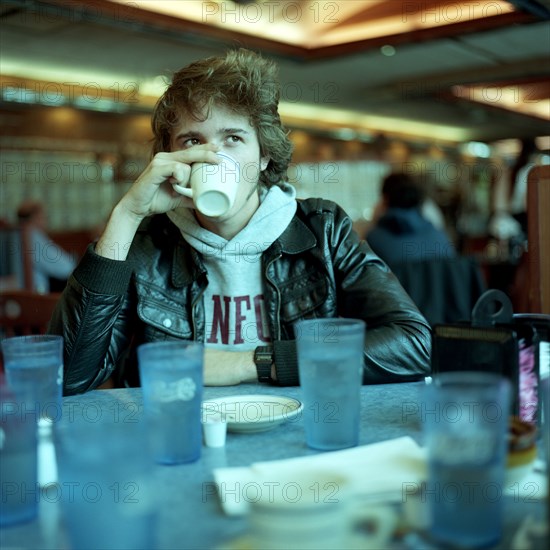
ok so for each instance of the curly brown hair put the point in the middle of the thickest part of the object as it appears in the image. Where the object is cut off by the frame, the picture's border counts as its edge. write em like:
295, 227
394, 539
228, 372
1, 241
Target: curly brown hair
242, 81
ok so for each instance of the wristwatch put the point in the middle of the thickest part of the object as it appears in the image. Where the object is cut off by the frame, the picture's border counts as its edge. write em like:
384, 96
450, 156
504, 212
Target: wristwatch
263, 359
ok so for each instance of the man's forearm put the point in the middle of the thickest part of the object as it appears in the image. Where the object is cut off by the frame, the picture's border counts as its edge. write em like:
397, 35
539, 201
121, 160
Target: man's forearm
228, 368
118, 235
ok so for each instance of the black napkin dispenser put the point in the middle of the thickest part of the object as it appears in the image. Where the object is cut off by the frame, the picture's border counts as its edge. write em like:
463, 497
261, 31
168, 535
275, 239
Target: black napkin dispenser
496, 341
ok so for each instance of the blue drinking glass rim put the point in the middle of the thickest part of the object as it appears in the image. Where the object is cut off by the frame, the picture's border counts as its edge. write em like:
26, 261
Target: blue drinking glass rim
39, 342
167, 344
468, 378
169, 348
329, 326
345, 323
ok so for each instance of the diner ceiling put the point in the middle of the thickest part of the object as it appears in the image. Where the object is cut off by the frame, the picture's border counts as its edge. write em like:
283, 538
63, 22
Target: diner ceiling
439, 70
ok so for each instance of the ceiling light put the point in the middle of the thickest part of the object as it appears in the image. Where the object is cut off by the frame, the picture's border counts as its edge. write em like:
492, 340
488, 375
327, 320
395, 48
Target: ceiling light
313, 115
477, 149
153, 87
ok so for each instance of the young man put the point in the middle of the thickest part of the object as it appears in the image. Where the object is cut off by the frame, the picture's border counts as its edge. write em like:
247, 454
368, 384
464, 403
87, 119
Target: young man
162, 270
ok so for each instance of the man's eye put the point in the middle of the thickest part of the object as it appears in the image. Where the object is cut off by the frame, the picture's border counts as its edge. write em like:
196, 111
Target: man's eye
191, 142
234, 139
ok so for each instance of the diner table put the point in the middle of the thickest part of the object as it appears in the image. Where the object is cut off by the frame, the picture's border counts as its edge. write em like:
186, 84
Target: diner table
190, 515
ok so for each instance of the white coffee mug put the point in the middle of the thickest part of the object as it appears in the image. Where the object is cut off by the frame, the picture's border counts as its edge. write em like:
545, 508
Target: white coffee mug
213, 187
314, 509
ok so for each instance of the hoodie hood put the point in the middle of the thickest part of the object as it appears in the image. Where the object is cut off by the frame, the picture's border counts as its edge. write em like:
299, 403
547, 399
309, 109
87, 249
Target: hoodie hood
276, 210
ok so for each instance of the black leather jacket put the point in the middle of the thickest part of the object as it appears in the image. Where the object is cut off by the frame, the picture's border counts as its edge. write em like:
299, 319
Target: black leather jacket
318, 267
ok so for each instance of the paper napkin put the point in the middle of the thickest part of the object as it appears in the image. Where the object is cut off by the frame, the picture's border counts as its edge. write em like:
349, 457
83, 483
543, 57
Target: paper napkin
386, 468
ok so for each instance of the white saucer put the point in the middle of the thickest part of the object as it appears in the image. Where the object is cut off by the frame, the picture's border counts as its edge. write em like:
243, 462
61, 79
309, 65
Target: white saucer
253, 413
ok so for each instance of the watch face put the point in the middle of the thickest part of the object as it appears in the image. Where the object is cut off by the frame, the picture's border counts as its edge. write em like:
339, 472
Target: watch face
263, 356
263, 359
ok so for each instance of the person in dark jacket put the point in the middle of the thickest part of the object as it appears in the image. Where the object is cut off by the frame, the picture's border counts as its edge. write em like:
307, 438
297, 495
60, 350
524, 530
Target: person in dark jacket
401, 233
238, 282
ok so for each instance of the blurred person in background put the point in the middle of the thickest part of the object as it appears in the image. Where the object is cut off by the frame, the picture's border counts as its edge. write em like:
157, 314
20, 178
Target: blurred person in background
49, 260
163, 270
400, 231
508, 202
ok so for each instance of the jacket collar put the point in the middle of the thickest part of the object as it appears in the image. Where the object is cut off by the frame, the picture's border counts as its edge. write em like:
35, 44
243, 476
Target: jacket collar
297, 237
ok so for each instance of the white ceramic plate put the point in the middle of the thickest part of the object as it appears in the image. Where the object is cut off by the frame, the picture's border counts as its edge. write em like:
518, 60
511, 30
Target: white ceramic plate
253, 413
